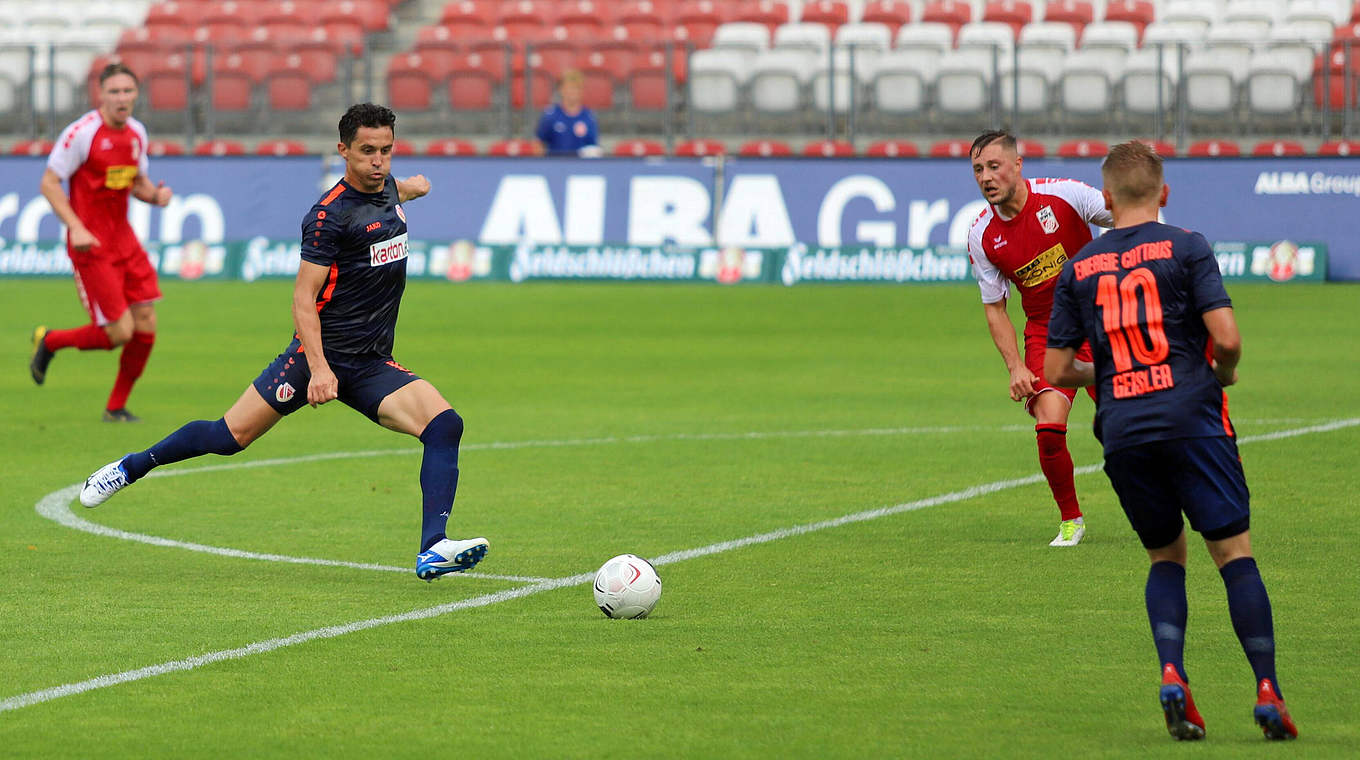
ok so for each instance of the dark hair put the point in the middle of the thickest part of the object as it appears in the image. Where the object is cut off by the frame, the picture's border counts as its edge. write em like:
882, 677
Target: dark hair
114, 69
987, 138
365, 115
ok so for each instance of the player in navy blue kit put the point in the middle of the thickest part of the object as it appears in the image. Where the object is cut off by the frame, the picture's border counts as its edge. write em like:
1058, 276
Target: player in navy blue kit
1150, 299
345, 303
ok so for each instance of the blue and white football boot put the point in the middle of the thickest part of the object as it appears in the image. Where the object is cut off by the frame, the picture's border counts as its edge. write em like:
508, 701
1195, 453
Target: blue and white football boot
105, 482
450, 556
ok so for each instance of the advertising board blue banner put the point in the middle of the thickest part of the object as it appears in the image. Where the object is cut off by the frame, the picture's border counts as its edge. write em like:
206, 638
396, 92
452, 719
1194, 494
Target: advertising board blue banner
828, 215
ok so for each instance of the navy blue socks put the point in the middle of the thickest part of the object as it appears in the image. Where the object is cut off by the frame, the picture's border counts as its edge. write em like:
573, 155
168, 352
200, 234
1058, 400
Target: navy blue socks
1167, 610
1249, 606
438, 475
194, 439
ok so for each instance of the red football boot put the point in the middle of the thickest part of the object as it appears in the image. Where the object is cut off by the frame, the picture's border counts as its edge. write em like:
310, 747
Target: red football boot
1182, 719
1271, 714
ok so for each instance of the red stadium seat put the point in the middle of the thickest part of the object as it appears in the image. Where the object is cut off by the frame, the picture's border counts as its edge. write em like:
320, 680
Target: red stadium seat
32, 148
597, 92
586, 19
156, 147
1083, 149
517, 146
701, 147
767, 12
402, 147
555, 57
647, 89
1029, 148
1279, 148
521, 18
535, 86
173, 14
1355, 12
955, 13
450, 146
166, 84
141, 49
1077, 13
320, 53
890, 13
340, 25
472, 82
409, 87
223, 22
258, 50
1017, 13
951, 148
285, 20
642, 19
220, 148
373, 15
1161, 147
829, 149
765, 149
1214, 148
1329, 80
830, 13
464, 18
280, 147
1140, 13
289, 85
1340, 148
695, 21
639, 148
233, 84
893, 149
614, 56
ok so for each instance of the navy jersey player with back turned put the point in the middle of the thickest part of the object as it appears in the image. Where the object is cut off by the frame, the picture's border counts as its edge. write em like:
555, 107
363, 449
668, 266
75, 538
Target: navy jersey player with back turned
1164, 342
345, 303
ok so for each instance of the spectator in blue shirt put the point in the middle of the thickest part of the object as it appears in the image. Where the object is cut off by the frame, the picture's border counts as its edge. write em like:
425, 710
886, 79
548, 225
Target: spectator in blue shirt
567, 127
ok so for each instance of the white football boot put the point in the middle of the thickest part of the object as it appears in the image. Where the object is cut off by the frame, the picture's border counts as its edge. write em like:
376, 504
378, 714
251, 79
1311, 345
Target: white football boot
1070, 533
450, 556
105, 482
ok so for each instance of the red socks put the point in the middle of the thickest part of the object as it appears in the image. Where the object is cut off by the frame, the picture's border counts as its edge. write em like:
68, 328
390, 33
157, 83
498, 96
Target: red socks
1056, 463
84, 338
130, 366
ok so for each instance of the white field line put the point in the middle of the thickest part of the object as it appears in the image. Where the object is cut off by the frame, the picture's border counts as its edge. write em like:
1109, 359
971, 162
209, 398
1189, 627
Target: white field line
269, 645
56, 506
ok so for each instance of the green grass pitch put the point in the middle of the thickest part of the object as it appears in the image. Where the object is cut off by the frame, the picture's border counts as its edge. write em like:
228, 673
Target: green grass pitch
604, 419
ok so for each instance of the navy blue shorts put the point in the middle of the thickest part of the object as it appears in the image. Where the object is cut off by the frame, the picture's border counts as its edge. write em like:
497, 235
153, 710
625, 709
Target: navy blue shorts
1200, 477
364, 382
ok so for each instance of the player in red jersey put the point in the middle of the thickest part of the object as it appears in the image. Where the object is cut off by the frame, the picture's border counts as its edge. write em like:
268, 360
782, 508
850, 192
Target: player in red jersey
1028, 230
103, 156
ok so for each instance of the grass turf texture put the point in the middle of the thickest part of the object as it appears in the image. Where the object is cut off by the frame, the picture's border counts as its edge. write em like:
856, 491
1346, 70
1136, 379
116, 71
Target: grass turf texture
952, 631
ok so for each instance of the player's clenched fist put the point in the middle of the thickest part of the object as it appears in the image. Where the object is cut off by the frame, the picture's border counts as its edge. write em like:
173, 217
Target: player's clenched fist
323, 387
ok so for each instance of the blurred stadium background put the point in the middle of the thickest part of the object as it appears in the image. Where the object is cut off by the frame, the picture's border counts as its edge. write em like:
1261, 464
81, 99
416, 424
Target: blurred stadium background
696, 77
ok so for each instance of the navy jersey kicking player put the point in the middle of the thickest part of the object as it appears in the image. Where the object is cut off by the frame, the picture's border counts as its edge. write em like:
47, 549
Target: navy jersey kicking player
1150, 300
345, 302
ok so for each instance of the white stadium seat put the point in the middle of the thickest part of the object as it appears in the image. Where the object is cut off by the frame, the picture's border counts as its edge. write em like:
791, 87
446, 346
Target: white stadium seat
963, 82
926, 36
747, 38
901, 82
1261, 14
1119, 35
1049, 35
1235, 36
869, 40
1142, 73
986, 35
1211, 80
1275, 83
1170, 36
1028, 87
809, 38
717, 79
1086, 84
778, 79
1194, 14
845, 83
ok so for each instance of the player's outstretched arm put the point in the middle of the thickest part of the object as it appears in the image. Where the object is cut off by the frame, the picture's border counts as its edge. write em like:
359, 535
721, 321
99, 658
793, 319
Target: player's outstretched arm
1003, 336
1227, 340
412, 187
144, 191
311, 277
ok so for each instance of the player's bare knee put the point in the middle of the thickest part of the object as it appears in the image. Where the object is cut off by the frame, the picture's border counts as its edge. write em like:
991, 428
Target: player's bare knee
119, 332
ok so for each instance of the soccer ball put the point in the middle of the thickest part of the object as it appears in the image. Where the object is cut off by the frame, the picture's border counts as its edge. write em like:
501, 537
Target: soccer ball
627, 586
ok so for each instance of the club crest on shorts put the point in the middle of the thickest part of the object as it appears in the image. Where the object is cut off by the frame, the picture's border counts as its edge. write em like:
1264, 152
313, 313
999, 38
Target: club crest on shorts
1048, 220
401, 213
284, 392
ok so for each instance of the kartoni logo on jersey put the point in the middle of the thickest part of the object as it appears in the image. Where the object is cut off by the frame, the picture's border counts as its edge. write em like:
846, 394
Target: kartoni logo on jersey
1048, 220
388, 251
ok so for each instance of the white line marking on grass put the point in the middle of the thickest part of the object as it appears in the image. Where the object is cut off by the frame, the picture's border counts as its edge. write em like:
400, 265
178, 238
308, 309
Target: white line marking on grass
56, 506
269, 645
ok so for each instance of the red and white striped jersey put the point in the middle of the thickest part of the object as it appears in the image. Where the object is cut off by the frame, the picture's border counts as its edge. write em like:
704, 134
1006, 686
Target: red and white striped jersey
1031, 248
101, 163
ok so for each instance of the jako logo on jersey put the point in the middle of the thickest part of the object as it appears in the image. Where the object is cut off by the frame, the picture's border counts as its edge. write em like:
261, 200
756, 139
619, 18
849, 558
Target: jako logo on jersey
388, 251
284, 393
373, 226
1043, 267
401, 213
1048, 220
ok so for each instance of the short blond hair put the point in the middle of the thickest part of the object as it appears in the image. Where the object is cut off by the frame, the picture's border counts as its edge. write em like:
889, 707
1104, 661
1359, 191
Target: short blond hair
572, 76
1132, 172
